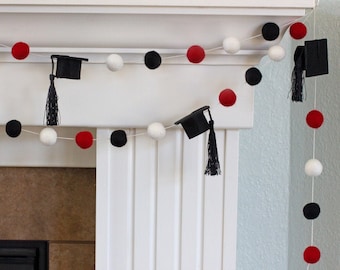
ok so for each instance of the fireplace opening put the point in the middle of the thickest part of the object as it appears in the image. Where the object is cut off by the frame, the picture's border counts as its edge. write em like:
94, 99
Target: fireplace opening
23, 255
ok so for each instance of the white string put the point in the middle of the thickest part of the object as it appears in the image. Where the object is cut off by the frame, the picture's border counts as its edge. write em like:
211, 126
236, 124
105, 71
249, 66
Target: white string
314, 131
71, 139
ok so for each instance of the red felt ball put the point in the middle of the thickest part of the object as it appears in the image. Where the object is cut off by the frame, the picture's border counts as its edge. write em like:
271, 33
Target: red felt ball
195, 54
311, 254
84, 139
20, 50
314, 119
298, 30
227, 97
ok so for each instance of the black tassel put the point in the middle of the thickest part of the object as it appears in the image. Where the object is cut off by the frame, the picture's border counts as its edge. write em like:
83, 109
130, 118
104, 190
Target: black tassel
298, 75
213, 166
52, 104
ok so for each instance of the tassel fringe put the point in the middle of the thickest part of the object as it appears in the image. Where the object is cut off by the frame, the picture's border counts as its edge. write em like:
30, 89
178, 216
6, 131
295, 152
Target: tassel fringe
52, 105
213, 166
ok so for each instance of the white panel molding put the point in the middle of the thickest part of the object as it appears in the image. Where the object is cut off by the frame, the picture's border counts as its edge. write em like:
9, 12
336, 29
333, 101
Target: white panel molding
157, 210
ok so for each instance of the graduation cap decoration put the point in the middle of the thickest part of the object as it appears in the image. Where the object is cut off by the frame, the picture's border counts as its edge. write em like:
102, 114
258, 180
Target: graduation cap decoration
316, 57
311, 58
67, 67
195, 124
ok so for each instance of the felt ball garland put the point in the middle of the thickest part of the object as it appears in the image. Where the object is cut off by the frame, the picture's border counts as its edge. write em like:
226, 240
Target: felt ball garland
227, 97
48, 136
270, 31
253, 76
195, 54
156, 130
298, 30
152, 60
84, 139
20, 50
313, 167
311, 210
118, 138
314, 119
231, 45
13, 128
114, 62
276, 53
307, 64
311, 254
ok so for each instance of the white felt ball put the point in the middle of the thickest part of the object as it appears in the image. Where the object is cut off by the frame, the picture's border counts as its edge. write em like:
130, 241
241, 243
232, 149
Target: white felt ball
313, 167
231, 45
114, 62
48, 136
276, 53
156, 131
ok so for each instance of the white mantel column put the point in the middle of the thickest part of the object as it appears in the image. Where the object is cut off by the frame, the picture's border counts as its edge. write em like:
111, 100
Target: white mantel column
157, 210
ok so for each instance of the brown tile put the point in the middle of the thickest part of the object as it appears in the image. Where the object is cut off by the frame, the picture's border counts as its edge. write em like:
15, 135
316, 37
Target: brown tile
47, 203
75, 255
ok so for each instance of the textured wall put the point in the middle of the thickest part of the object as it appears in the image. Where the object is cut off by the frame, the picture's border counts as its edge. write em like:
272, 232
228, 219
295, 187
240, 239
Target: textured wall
53, 204
264, 173
273, 187
327, 185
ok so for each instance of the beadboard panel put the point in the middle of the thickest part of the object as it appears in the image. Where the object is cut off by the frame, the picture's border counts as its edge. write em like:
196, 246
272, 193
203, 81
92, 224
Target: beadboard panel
157, 210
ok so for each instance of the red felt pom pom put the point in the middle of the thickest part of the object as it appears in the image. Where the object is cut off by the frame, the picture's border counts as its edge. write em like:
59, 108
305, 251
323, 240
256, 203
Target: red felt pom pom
298, 30
227, 97
20, 50
84, 139
195, 54
311, 254
314, 119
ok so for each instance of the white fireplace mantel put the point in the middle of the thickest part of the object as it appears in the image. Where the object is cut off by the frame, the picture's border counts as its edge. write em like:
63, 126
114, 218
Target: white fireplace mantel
95, 30
155, 207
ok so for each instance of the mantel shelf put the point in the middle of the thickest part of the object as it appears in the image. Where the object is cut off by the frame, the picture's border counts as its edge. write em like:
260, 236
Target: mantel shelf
131, 28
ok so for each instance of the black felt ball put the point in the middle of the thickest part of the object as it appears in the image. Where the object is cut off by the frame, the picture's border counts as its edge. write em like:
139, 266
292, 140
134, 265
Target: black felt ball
311, 210
152, 60
270, 31
13, 128
253, 76
118, 138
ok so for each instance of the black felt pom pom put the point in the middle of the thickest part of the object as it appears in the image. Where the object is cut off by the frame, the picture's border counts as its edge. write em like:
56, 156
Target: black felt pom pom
13, 128
152, 60
118, 138
311, 211
253, 76
270, 31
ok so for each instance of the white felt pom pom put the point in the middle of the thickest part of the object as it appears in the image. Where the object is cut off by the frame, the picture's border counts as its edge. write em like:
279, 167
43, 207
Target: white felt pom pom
231, 45
313, 167
156, 131
48, 136
114, 62
276, 53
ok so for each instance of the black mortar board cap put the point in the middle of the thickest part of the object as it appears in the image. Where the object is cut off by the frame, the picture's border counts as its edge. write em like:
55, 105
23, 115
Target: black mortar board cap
68, 67
316, 57
195, 123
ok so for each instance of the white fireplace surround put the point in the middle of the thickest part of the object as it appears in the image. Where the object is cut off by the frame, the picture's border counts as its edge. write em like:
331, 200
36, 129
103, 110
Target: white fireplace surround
155, 207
